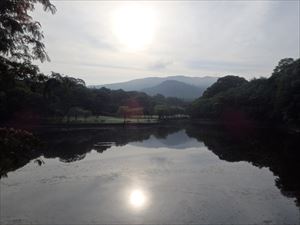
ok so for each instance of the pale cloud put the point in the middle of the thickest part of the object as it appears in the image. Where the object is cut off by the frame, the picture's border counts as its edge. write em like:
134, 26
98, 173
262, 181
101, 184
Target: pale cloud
160, 65
191, 38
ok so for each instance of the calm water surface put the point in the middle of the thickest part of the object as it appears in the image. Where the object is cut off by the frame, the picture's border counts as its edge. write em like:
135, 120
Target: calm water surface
156, 175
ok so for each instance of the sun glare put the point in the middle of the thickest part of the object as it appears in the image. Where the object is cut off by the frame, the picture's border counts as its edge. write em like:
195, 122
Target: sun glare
134, 26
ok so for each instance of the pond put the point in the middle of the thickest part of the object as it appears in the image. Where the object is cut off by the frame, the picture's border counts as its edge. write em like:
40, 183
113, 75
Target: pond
150, 175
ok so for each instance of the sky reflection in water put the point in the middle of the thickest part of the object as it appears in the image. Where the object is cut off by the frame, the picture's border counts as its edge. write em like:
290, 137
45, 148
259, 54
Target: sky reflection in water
154, 176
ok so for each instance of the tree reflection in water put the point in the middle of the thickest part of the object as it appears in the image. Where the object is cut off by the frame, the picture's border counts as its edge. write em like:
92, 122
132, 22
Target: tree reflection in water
262, 147
274, 149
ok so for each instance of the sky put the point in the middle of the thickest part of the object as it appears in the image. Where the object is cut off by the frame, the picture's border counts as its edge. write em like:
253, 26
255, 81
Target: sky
111, 41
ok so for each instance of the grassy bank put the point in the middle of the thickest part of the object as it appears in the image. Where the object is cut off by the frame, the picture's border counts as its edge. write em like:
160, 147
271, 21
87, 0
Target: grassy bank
103, 120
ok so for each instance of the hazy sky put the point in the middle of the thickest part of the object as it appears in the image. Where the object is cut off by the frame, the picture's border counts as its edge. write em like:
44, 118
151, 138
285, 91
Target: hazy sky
105, 42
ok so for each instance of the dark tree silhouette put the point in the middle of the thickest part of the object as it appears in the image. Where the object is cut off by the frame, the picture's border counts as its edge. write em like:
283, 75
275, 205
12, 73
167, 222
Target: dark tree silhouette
223, 84
275, 99
21, 36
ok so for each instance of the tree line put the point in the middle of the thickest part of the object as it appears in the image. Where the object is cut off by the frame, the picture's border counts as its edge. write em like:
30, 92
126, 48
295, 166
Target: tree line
274, 99
37, 96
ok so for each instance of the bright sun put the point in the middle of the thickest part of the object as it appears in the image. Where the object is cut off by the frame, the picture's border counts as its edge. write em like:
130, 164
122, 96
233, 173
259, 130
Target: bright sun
134, 26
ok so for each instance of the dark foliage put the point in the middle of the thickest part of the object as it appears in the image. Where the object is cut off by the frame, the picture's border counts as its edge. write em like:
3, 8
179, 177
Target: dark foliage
18, 147
21, 36
27, 95
223, 84
276, 99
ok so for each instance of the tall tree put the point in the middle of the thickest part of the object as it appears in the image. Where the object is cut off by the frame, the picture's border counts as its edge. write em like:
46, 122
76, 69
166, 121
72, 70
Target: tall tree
21, 36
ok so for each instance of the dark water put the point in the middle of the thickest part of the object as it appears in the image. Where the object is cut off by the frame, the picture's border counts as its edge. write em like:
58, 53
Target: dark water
166, 175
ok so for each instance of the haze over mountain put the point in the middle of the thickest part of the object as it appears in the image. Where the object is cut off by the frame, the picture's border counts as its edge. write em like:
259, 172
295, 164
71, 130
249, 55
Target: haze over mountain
174, 88
171, 86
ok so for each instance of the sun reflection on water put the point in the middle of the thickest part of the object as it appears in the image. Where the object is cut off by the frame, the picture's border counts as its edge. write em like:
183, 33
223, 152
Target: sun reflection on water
138, 198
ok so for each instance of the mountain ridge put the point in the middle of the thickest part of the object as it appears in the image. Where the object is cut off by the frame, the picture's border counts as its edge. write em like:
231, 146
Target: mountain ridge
191, 87
142, 83
174, 88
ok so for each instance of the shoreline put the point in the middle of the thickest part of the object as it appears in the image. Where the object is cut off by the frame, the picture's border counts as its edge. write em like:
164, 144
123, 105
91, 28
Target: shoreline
181, 122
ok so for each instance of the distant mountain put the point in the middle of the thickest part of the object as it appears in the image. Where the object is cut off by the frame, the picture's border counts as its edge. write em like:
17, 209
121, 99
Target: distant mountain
139, 84
177, 140
149, 84
174, 88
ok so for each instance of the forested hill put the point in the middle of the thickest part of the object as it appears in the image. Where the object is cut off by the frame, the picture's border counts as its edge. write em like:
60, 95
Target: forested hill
183, 87
149, 82
174, 88
273, 99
